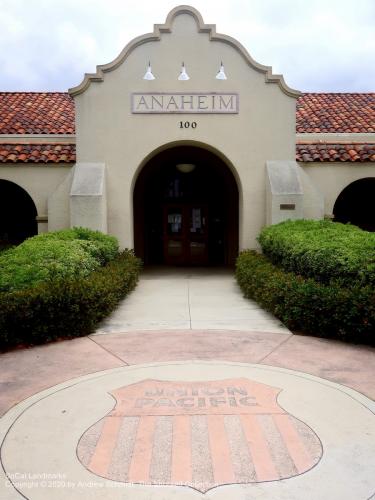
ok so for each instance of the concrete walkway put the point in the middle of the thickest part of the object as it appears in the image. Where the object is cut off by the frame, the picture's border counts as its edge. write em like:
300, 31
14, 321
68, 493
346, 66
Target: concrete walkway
188, 392
195, 299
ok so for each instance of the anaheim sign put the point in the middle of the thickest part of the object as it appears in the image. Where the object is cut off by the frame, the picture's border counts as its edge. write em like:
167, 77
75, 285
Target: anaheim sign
178, 102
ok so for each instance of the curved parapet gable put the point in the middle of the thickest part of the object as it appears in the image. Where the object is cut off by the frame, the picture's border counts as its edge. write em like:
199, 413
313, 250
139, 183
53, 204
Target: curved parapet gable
167, 28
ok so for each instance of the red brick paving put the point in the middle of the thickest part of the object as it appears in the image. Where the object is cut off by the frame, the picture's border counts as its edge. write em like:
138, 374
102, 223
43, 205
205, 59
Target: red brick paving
27, 371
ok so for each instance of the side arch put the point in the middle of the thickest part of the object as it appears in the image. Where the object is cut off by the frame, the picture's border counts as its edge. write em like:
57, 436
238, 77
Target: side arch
356, 204
17, 214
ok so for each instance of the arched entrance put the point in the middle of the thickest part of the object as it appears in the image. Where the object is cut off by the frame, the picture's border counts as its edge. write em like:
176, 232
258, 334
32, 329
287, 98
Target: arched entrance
186, 209
356, 204
17, 214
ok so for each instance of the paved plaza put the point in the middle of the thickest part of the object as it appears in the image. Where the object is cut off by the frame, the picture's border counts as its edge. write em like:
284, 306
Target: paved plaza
188, 391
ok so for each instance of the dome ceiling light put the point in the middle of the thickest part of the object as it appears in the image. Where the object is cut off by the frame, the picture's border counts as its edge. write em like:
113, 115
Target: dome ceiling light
185, 168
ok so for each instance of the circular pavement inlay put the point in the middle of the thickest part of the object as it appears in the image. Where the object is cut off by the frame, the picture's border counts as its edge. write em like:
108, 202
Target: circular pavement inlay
199, 434
191, 430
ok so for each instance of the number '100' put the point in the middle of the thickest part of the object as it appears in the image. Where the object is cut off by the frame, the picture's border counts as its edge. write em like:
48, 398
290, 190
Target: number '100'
188, 124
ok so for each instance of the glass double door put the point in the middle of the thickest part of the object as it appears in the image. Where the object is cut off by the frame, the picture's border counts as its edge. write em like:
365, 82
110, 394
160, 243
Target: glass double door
185, 234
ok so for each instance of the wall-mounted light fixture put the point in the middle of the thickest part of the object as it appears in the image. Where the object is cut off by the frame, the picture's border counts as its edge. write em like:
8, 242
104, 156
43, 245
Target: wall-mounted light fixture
185, 168
221, 73
183, 75
148, 74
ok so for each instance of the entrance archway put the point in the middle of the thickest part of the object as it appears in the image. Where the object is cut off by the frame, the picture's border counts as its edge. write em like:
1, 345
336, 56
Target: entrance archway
186, 209
356, 204
17, 214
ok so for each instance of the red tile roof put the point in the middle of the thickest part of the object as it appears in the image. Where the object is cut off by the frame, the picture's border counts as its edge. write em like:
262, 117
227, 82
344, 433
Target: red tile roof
335, 152
340, 113
66, 153
36, 113
37, 153
53, 113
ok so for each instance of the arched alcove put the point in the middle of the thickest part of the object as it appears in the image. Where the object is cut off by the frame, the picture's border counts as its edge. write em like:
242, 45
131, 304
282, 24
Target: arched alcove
356, 204
186, 209
17, 214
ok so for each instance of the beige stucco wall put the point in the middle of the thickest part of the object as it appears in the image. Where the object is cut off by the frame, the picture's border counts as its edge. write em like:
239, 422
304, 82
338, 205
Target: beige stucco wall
39, 181
332, 178
107, 132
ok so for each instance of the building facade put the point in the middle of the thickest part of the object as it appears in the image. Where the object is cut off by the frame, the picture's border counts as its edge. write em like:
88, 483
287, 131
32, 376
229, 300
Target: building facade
184, 147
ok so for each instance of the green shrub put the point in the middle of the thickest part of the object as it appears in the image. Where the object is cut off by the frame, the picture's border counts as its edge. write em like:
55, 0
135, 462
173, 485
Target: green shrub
305, 305
323, 250
102, 246
55, 256
65, 308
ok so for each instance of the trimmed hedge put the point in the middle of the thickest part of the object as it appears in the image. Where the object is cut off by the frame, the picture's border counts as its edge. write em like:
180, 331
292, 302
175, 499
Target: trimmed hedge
59, 255
102, 246
305, 305
65, 308
324, 250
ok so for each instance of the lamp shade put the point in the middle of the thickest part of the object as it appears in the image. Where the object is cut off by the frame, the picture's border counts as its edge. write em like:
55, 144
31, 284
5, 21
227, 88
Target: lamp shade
183, 75
148, 75
221, 74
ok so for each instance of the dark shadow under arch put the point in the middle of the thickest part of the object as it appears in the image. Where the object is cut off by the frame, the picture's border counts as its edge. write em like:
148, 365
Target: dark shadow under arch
17, 214
186, 218
356, 204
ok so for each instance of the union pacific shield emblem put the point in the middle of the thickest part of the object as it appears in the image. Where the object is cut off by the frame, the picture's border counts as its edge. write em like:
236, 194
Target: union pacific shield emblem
198, 434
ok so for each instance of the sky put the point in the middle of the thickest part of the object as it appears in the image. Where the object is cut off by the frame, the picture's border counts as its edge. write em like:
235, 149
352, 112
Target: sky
318, 45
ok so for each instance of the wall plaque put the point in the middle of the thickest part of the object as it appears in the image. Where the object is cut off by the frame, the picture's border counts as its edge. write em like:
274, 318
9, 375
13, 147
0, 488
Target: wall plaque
179, 102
